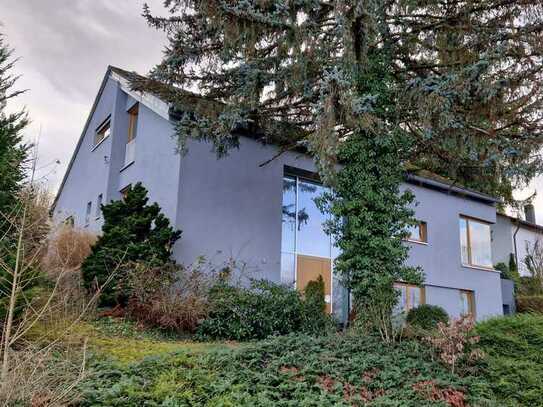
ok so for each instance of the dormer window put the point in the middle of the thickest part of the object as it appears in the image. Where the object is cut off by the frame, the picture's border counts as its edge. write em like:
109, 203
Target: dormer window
102, 132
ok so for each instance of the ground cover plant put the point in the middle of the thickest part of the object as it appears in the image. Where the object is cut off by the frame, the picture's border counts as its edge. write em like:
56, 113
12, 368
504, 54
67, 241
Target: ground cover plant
292, 370
514, 358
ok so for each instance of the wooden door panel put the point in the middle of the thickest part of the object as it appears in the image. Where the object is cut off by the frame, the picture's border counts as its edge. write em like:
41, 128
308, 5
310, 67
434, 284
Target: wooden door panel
309, 268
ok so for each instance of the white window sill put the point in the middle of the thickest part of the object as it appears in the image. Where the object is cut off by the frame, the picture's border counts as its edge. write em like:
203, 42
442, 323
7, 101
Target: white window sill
124, 167
417, 242
99, 143
481, 268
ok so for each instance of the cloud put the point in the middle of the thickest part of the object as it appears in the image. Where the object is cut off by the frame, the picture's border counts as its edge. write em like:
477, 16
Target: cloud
64, 48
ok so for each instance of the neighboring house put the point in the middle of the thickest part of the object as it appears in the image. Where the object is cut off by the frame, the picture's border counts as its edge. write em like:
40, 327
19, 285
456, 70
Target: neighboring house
516, 236
264, 215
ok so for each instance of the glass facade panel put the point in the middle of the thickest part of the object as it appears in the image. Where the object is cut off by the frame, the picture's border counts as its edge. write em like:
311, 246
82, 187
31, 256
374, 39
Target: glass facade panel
288, 268
479, 234
288, 237
311, 240
302, 226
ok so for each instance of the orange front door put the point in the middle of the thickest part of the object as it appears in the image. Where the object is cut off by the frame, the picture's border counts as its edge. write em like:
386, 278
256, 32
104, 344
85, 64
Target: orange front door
309, 268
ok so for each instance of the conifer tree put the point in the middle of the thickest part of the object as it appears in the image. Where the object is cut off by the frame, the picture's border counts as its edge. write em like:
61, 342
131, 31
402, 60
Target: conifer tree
465, 78
133, 231
451, 86
13, 157
13, 153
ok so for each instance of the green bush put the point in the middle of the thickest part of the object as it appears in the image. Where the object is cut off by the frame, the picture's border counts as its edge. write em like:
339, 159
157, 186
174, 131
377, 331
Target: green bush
530, 303
426, 316
514, 360
529, 286
133, 231
262, 310
294, 370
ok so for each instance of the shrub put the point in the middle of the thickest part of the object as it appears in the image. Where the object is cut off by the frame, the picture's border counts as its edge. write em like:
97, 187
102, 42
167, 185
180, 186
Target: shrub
67, 248
454, 342
133, 232
262, 310
426, 316
169, 297
529, 286
530, 303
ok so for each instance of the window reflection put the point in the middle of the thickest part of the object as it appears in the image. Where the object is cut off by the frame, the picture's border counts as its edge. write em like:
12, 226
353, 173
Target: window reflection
302, 225
475, 242
288, 238
312, 240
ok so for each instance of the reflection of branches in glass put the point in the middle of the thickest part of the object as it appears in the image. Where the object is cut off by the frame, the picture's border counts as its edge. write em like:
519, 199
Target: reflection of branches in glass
289, 215
289, 211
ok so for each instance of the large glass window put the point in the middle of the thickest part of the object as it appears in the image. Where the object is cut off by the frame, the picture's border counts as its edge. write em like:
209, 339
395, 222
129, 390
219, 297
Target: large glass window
302, 225
312, 240
475, 243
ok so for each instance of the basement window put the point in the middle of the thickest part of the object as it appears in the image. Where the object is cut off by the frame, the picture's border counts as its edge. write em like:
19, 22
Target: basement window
411, 296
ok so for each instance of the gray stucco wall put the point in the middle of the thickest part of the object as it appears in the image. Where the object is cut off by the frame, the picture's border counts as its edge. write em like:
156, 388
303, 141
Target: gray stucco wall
231, 208
502, 240
441, 257
88, 176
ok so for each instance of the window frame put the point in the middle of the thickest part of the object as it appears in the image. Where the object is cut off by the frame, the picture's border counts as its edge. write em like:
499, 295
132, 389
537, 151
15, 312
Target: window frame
472, 312
102, 129
99, 201
133, 115
88, 212
470, 263
423, 233
398, 285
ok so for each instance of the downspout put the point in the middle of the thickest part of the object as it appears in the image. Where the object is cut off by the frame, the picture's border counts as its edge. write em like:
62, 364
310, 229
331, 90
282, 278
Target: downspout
515, 243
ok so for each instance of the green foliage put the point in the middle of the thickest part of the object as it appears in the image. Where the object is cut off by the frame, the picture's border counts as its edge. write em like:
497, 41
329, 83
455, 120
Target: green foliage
529, 286
427, 316
514, 361
530, 303
290, 71
293, 370
370, 220
264, 309
133, 231
13, 159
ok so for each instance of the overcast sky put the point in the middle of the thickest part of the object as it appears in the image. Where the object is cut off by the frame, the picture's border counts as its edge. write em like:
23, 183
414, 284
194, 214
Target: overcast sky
64, 48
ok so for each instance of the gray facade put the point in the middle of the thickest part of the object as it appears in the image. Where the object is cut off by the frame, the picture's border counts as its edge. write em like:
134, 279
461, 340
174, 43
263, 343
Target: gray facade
232, 208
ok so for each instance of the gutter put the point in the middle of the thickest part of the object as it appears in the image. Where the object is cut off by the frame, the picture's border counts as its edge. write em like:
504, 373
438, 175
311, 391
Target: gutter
479, 196
515, 244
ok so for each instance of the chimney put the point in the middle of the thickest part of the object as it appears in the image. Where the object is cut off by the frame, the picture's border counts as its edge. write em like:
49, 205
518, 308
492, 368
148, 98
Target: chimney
529, 213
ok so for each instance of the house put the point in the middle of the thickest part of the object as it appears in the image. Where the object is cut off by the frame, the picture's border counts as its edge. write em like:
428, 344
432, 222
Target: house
264, 215
516, 236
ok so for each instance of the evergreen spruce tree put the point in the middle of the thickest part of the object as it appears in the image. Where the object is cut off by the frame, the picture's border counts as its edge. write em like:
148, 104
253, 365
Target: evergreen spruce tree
13, 157
133, 231
449, 86
13, 153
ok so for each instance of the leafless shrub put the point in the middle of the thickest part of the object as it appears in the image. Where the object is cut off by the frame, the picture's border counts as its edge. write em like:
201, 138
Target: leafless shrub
170, 297
454, 342
36, 373
67, 248
44, 376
